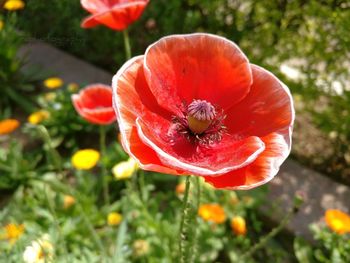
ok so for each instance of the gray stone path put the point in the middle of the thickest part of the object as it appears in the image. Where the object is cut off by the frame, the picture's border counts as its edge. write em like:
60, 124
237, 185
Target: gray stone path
321, 192
58, 63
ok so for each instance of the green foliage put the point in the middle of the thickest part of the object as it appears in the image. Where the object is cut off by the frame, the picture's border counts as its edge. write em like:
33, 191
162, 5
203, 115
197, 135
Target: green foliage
13, 82
330, 247
16, 166
151, 213
303, 251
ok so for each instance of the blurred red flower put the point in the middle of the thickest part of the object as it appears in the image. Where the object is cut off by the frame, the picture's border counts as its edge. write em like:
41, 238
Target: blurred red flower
115, 14
94, 104
193, 104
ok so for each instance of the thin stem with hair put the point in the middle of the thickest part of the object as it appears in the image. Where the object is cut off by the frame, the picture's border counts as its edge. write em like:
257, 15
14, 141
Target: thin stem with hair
196, 231
184, 221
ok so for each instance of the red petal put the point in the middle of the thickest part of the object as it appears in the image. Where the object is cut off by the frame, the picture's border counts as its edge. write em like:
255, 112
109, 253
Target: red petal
94, 6
131, 98
96, 95
106, 18
147, 158
181, 68
102, 116
119, 17
267, 108
262, 170
89, 22
177, 152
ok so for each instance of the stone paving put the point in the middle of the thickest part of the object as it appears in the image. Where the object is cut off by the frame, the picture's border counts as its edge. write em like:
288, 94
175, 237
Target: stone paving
58, 63
321, 192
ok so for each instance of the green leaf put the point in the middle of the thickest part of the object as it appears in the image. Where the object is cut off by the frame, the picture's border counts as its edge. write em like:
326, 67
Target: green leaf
302, 250
336, 257
121, 236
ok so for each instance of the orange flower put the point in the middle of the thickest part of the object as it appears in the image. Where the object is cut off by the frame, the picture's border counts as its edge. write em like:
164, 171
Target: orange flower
68, 201
338, 221
180, 188
13, 232
238, 225
8, 125
212, 212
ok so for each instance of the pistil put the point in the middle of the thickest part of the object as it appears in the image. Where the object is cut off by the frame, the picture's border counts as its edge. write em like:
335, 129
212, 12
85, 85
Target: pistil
200, 115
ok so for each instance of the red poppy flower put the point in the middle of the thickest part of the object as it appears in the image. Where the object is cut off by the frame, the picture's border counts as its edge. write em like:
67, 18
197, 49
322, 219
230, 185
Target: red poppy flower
94, 104
193, 104
115, 14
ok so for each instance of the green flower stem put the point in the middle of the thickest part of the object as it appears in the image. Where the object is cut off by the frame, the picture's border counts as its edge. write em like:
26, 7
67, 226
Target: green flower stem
56, 222
127, 44
91, 229
103, 165
184, 222
23, 102
196, 232
55, 156
143, 191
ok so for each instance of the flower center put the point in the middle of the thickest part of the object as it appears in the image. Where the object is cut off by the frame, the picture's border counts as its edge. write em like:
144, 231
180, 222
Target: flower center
200, 115
200, 123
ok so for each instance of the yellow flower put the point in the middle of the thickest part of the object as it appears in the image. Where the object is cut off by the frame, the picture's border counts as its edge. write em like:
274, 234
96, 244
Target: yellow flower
38, 116
53, 83
8, 125
85, 159
68, 201
39, 251
13, 232
338, 221
1, 25
13, 5
238, 225
140, 247
114, 219
124, 170
73, 87
212, 212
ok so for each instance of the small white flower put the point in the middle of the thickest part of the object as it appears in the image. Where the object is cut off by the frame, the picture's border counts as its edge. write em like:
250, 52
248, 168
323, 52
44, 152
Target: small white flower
39, 251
